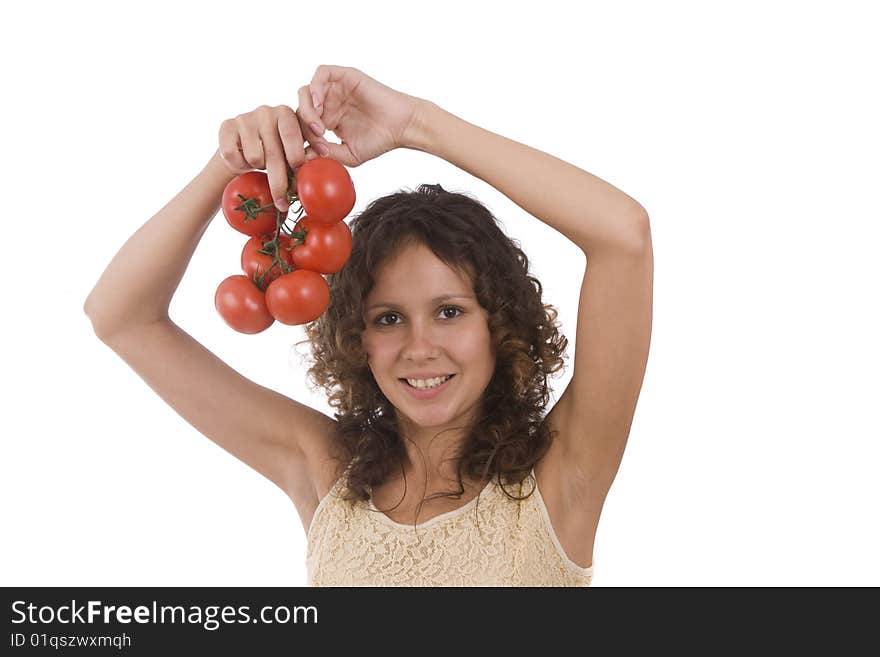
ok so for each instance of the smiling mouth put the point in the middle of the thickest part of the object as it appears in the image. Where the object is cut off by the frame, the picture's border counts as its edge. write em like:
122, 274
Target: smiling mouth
433, 383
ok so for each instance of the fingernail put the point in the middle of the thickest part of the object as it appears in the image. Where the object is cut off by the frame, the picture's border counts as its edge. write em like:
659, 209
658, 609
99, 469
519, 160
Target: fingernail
317, 129
281, 205
315, 100
323, 149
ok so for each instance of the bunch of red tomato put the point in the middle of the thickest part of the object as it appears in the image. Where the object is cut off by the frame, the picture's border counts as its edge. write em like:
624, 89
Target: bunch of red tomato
283, 268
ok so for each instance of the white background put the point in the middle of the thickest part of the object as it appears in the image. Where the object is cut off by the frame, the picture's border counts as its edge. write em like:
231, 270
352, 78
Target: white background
748, 131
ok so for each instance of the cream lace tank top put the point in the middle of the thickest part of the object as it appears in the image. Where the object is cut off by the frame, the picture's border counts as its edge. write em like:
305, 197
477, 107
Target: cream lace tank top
492, 540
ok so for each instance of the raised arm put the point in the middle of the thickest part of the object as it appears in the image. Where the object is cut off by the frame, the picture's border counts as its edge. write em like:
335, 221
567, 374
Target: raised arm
282, 439
137, 286
590, 212
594, 414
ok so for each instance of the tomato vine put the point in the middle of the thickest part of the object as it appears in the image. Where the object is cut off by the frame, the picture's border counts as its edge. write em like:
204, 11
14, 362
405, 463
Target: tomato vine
273, 246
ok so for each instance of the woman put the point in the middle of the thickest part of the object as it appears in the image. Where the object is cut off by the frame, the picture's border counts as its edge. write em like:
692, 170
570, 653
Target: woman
435, 350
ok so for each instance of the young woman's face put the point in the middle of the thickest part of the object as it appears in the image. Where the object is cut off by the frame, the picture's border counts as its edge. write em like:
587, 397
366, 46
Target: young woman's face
423, 322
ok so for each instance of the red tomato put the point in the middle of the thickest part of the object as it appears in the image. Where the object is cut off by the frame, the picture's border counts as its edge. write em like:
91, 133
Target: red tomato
254, 263
326, 248
298, 298
325, 190
242, 199
242, 305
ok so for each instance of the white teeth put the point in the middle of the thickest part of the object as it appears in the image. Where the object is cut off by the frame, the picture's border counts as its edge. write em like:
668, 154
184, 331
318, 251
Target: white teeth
425, 384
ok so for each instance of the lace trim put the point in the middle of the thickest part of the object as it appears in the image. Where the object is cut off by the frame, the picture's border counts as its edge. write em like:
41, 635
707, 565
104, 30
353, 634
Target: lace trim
449, 515
320, 507
567, 562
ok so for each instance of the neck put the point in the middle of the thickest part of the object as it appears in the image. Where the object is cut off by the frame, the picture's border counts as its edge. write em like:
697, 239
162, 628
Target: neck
432, 455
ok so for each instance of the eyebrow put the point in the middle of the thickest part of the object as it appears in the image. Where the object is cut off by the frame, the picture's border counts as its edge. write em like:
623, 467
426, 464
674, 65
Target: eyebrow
434, 301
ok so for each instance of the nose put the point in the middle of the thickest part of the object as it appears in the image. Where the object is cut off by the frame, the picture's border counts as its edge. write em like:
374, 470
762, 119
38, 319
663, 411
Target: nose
420, 343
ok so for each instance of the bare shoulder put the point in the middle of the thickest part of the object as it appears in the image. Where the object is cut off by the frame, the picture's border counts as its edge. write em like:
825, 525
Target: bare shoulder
291, 444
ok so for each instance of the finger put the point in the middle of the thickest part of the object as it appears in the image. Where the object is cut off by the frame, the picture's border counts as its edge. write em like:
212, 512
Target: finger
339, 152
329, 88
276, 162
230, 147
252, 147
326, 76
309, 116
319, 145
291, 136
342, 153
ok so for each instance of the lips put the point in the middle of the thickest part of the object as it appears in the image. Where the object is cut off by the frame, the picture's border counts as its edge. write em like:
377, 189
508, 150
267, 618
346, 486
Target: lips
428, 383
425, 376
427, 393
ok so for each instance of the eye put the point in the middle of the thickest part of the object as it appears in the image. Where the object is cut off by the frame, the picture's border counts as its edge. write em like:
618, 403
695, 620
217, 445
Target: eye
380, 319
454, 309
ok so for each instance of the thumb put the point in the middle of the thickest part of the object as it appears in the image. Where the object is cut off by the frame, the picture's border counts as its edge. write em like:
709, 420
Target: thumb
339, 152
311, 154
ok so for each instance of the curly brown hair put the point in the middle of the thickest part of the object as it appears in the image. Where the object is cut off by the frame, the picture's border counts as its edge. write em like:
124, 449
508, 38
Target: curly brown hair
509, 435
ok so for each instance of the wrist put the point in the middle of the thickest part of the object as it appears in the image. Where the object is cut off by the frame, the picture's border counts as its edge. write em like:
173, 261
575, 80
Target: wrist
218, 169
419, 134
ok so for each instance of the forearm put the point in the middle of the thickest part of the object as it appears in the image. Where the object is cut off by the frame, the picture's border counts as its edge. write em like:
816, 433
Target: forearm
589, 211
138, 284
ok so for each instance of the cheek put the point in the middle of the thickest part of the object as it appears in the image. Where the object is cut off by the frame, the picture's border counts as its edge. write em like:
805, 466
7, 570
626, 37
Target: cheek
375, 348
476, 347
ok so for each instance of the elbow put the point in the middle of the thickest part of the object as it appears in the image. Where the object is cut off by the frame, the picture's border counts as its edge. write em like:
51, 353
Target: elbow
99, 323
635, 236
641, 215
90, 311
641, 234
87, 307
97, 327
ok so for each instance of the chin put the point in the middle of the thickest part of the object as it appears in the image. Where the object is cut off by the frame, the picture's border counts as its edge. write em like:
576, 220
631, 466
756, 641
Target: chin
427, 418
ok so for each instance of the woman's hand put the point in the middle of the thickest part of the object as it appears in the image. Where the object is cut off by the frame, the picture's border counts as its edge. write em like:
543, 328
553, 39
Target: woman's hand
267, 138
369, 118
